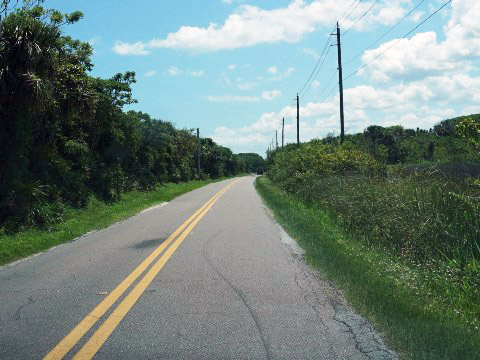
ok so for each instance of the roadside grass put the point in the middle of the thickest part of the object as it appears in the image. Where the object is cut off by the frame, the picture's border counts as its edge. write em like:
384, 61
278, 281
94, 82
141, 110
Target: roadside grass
395, 296
96, 215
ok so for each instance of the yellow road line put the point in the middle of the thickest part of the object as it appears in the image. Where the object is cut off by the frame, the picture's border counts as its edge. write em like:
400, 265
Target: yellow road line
106, 329
82, 328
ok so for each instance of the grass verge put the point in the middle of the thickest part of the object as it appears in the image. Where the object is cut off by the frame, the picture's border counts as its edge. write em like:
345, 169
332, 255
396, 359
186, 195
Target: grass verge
378, 285
96, 215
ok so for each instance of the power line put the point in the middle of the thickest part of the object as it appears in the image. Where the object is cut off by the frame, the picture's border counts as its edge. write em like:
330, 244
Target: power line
325, 48
346, 17
329, 93
353, 2
396, 42
361, 17
316, 74
385, 34
328, 83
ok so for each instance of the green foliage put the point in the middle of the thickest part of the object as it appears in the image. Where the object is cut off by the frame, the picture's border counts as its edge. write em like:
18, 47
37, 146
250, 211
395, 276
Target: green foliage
251, 163
60, 126
295, 169
425, 309
415, 212
469, 129
396, 145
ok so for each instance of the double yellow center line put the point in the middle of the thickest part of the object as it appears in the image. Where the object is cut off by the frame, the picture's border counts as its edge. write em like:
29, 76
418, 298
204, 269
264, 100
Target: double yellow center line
105, 330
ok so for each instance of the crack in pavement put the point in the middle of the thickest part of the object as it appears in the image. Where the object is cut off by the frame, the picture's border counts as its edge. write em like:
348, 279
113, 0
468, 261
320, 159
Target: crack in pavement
241, 295
17, 315
324, 298
367, 341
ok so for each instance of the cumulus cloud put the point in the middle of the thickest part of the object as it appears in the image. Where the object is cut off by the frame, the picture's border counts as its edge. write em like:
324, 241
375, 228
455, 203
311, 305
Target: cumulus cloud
424, 54
174, 71
247, 85
420, 103
150, 73
266, 95
197, 73
270, 95
138, 48
272, 70
251, 25
232, 98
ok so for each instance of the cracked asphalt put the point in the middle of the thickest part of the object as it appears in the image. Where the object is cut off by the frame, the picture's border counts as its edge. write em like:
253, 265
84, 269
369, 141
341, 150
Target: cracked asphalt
236, 288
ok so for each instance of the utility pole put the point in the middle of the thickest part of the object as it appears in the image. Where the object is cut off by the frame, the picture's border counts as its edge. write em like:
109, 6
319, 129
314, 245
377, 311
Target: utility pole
283, 130
198, 153
298, 121
340, 84
276, 138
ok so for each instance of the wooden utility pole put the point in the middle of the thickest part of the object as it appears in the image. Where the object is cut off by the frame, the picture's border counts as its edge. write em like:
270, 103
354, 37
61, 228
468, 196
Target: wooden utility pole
283, 130
298, 121
340, 84
198, 153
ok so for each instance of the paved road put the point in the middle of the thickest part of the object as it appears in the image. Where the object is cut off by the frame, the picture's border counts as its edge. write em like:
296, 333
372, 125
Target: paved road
227, 284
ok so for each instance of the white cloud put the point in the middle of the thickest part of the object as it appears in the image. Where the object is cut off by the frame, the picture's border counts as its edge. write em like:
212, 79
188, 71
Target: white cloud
150, 73
198, 73
420, 103
231, 66
174, 71
137, 48
95, 40
424, 55
228, 2
232, 98
270, 95
247, 85
283, 75
251, 25
272, 70
266, 95
313, 53
315, 84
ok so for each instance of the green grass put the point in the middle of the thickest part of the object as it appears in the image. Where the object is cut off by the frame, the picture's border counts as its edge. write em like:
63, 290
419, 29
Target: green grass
403, 301
96, 215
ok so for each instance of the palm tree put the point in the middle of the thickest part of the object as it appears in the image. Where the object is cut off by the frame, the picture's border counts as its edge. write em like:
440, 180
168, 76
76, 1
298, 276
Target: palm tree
29, 49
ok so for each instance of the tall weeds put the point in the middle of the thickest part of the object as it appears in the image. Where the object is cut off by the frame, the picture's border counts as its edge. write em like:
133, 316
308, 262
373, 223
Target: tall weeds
424, 216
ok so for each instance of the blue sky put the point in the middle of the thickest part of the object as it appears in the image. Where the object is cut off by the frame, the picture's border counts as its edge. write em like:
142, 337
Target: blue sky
232, 67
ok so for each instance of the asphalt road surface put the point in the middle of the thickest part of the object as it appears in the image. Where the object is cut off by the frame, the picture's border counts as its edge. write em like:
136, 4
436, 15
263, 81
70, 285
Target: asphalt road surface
207, 276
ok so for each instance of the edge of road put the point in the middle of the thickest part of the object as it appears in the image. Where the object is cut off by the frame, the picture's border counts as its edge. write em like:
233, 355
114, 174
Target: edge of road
116, 223
368, 340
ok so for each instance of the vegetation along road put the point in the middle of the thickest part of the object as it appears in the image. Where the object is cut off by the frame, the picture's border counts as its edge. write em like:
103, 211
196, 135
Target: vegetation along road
209, 275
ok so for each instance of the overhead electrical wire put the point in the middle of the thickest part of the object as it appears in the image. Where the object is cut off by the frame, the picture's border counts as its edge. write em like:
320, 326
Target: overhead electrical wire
326, 49
350, 13
361, 17
396, 42
384, 34
315, 76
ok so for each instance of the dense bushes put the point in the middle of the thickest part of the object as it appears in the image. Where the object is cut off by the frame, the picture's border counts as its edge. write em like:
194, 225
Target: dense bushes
417, 214
64, 136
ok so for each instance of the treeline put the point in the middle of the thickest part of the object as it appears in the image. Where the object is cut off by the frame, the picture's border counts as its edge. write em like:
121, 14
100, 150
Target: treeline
64, 135
396, 145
